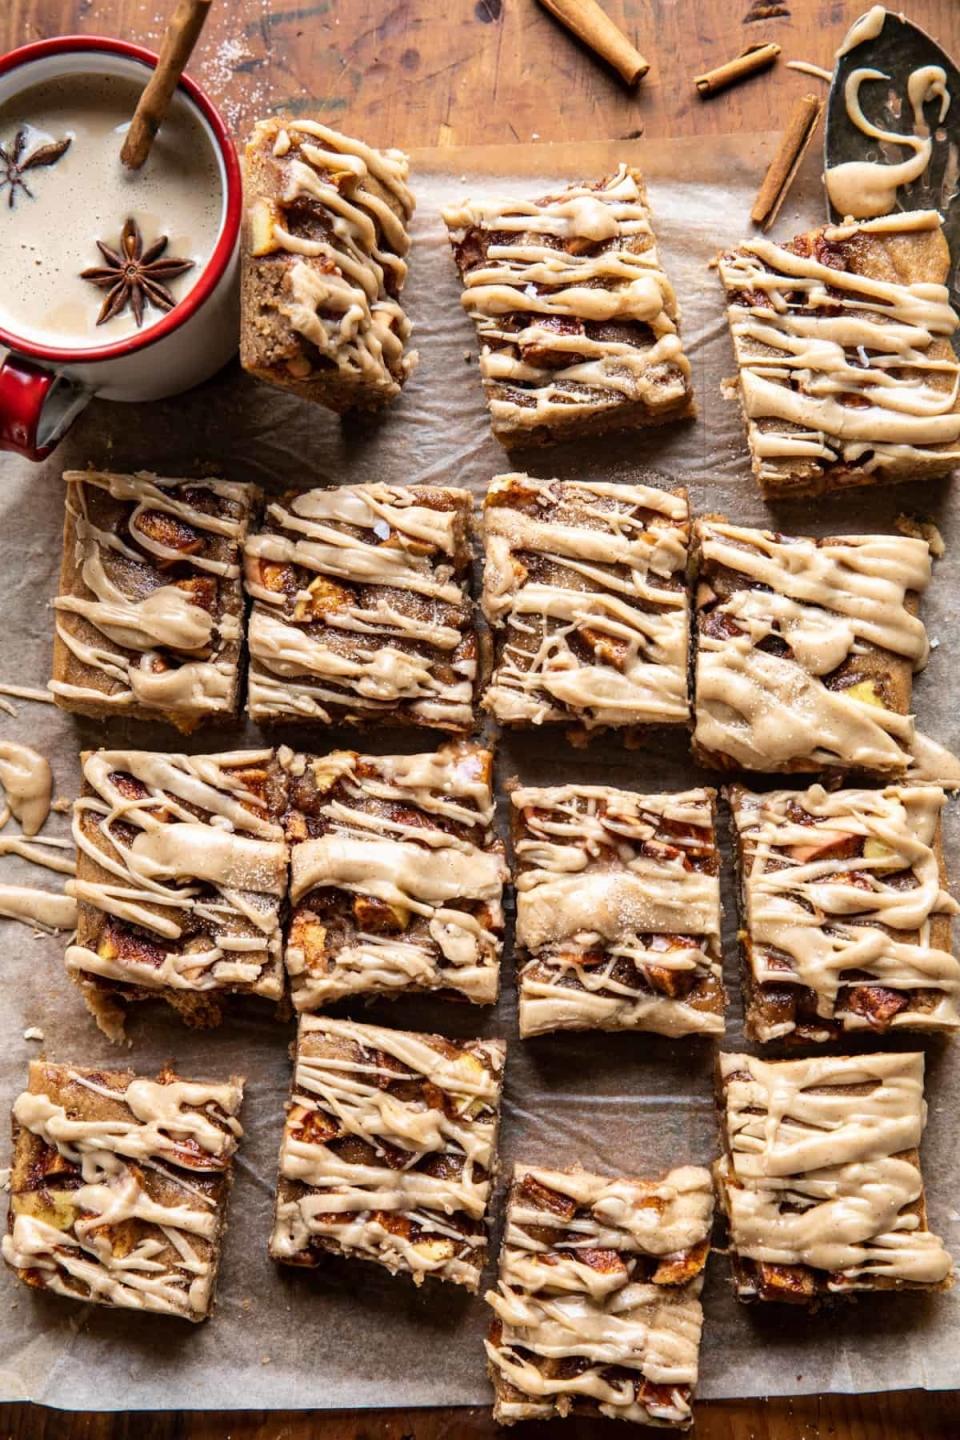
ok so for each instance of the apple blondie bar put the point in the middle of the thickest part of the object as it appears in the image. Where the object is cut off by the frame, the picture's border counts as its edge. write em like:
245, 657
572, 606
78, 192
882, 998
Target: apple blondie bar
396, 875
847, 375
845, 916
389, 1150
149, 617
322, 265
820, 1178
361, 613
181, 872
119, 1185
576, 319
597, 1308
806, 649
618, 910
585, 590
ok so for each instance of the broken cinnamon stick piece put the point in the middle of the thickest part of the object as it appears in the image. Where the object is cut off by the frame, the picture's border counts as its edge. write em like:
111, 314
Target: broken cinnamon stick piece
785, 164
758, 57
592, 25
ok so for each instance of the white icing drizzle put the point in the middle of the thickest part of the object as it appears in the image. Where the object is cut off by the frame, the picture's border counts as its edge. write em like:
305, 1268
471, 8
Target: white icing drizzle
865, 188
360, 607
387, 1207
119, 1238
207, 887
27, 782
616, 922
573, 310
601, 568
819, 1171
27, 692
162, 650
849, 900
839, 367
342, 284
576, 1282
42, 909
806, 68
826, 601
865, 27
407, 842
38, 852
931, 762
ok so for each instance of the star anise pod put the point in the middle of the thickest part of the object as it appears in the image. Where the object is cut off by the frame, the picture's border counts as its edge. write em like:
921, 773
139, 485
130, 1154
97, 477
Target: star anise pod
13, 165
133, 276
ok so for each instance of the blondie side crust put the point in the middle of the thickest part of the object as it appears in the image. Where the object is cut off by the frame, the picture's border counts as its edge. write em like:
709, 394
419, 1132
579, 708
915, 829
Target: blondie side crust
361, 613
597, 1309
846, 371
181, 871
322, 265
576, 320
806, 650
820, 1180
389, 1150
618, 910
846, 920
149, 617
397, 876
585, 590
119, 1184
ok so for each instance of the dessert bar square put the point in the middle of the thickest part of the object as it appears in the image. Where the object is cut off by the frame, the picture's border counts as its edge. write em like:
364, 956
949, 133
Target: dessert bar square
576, 320
322, 265
149, 617
389, 1150
846, 371
119, 1184
397, 876
845, 918
597, 1309
585, 590
806, 649
181, 871
618, 910
820, 1180
361, 614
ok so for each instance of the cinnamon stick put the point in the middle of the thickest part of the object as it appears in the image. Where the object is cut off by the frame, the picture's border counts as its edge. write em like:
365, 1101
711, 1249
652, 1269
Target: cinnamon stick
592, 25
783, 167
758, 57
178, 42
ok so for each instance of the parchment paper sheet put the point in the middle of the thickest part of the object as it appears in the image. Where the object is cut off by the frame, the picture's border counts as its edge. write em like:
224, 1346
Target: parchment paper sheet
351, 1335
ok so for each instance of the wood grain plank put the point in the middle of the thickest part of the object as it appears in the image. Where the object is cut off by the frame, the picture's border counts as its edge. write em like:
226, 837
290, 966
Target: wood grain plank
458, 72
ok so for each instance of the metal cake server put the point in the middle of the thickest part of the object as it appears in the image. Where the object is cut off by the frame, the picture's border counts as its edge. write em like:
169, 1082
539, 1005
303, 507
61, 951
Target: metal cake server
898, 49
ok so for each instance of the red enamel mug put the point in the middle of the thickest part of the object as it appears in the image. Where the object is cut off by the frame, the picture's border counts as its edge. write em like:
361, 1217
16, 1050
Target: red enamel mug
43, 388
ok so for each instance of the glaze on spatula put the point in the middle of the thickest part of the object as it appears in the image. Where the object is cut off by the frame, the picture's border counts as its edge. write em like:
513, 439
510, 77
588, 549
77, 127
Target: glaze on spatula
893, 126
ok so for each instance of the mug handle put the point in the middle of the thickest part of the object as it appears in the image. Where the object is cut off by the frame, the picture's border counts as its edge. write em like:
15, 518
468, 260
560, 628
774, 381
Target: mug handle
37, 407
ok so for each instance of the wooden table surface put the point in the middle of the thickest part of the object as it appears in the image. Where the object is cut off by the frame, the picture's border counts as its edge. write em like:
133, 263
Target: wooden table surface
462, 72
